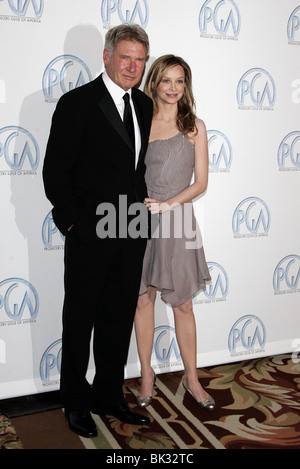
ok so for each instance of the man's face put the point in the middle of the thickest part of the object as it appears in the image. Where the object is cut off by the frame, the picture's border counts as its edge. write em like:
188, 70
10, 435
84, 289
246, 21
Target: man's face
126, 65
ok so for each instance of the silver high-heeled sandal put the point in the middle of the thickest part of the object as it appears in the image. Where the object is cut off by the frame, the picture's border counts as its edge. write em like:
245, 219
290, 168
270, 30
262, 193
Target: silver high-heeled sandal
145, 401
207, 404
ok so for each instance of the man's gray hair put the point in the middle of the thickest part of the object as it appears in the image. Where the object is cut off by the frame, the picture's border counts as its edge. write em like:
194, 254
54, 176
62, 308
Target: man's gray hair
127, 32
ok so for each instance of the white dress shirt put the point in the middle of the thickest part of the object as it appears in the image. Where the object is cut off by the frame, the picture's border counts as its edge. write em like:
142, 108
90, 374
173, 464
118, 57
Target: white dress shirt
117, 94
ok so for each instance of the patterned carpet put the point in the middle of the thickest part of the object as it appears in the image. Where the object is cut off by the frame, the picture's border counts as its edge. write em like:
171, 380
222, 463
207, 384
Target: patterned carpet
8, 436
258, 407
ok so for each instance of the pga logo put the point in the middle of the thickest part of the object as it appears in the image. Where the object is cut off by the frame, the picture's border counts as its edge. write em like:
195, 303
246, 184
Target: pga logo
50, 364
286, 277
247, 335
217, 290
50, 233
288, 155
219, 18
251, 218
63, 74
19, 149
127, 11
165, 345
256, 90
293, 27
220, 151
18, 299
26, 8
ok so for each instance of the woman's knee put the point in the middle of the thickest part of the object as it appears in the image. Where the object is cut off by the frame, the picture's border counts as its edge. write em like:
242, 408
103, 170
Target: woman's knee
185, 308
146, 299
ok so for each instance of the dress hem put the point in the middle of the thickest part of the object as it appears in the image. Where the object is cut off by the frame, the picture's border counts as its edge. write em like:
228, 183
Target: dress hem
163, 295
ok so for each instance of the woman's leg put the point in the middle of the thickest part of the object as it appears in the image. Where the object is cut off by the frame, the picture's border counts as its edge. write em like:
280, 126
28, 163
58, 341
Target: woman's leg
144, 330
185, 327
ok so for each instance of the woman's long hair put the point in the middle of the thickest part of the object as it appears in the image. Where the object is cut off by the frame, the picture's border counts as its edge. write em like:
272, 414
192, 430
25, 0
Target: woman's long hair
186, 117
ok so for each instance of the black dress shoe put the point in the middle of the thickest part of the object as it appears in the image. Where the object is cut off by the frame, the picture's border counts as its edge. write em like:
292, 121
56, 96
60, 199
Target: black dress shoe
81, 422
125, 414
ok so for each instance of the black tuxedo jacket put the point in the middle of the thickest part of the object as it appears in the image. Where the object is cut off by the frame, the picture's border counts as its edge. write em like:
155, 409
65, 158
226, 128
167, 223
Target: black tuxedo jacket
89, 157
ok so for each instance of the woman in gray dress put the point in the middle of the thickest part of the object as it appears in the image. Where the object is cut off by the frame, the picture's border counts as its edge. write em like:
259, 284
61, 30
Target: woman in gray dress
174, 262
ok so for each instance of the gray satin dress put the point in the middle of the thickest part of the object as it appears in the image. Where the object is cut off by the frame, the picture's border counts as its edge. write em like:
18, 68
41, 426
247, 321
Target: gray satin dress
174, 260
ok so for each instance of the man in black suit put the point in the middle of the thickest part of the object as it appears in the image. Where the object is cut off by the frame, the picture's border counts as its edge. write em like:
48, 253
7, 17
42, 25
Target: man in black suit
91, 160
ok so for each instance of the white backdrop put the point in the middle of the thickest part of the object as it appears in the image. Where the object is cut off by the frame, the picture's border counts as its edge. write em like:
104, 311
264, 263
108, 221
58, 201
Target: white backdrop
245, 61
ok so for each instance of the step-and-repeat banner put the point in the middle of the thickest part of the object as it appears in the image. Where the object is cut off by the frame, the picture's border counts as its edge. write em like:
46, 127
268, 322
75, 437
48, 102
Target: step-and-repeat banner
245, 58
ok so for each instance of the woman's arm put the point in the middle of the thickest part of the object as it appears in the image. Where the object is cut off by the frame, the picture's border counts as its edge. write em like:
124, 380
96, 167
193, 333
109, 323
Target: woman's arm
200, 180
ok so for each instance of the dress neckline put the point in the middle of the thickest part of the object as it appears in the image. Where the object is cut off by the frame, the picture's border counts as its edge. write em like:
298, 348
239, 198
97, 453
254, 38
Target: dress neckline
165, 139
171, 138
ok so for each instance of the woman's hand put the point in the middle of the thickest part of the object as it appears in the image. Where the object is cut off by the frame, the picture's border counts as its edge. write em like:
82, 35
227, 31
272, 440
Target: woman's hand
156, 206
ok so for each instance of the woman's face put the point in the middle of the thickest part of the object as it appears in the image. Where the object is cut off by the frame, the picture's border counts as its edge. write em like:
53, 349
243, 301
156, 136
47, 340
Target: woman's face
171, 88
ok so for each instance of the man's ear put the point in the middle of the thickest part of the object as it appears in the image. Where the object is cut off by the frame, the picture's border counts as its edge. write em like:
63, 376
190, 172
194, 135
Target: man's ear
105, 57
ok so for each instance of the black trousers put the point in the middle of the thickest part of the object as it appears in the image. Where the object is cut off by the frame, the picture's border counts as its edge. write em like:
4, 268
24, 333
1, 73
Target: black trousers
102, 283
